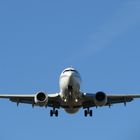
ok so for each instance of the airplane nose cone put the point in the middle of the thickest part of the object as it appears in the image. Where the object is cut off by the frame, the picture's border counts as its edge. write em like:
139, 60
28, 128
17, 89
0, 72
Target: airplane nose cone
71, 75
70, 78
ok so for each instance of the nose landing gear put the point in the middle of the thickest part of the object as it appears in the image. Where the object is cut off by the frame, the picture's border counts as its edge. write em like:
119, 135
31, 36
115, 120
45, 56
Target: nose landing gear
88, 112
70, 88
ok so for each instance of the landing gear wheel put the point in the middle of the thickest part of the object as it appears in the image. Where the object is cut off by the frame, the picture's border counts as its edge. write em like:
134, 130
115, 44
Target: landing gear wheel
85, 113
88, 112
54, 112
51, 113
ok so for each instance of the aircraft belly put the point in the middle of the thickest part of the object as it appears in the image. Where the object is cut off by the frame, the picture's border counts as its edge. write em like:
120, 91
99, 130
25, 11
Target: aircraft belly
71, 106
72, 110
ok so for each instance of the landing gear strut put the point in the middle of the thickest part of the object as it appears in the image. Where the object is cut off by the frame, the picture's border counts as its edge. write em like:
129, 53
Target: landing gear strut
88, 112
54, 112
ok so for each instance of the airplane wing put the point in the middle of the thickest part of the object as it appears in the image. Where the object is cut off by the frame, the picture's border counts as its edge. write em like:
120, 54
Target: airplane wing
89, 100
53, 99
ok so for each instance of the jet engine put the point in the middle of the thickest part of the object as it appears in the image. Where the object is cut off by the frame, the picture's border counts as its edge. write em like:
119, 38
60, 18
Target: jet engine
100, 98
41, 99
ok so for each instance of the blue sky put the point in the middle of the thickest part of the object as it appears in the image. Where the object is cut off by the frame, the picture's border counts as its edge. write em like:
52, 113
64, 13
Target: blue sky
38, 39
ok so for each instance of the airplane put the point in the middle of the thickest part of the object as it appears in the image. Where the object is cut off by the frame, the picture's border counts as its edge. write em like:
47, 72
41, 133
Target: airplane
70, 97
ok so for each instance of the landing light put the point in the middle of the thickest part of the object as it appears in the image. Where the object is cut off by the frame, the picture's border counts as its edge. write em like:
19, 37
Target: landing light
65, 100
76, 100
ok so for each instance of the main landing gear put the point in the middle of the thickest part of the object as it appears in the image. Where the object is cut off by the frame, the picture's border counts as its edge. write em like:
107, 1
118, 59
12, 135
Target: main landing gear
88, 112
54, 112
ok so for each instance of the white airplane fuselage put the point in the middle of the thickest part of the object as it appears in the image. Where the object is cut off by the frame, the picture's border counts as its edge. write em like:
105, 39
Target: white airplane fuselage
70, 82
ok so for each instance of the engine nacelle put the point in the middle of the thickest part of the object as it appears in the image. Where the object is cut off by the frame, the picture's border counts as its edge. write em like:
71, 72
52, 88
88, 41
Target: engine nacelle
41, 99
100, 98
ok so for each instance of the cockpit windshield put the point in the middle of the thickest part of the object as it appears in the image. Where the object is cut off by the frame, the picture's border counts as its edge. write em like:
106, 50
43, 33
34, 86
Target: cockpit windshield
70, 70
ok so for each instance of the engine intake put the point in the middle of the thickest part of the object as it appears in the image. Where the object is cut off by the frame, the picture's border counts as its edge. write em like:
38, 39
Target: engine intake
41, 99
100, 98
